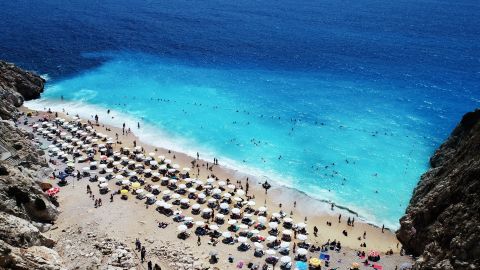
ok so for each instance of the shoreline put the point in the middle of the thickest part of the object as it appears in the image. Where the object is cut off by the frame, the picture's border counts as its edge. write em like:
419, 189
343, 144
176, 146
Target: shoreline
279, 195
153, 134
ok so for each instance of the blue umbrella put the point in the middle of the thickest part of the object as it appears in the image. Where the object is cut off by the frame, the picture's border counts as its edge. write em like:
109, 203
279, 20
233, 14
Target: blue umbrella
301, 265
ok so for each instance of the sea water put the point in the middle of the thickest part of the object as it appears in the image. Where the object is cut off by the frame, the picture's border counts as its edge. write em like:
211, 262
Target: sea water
342, 100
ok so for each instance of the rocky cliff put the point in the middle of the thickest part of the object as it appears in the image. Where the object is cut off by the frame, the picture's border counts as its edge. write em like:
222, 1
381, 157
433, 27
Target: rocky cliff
24, 209
442, 223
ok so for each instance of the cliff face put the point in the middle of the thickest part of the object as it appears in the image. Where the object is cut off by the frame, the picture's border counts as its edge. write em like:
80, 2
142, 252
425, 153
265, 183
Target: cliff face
17, 85
24, 209
442, 222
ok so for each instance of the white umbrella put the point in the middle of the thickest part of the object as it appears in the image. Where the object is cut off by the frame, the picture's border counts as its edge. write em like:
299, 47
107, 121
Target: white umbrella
287, 220
184, 200
236, 211
182, 228
226, 234
302, 251
224, 205
221, 183
125, 182
213, 227
207, 210
270, 252
301, 225
240, 192
196, 206
242, 239
201, 196
285, 259
103, 185
149, 195
231, 222
273, 225
258, 245
199, 223
302, 237
139, 191
284, 244
271, 238
287, 232
262, 209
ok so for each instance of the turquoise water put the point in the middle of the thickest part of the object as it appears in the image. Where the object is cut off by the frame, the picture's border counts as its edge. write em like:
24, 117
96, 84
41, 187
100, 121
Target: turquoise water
370, 86
356, 144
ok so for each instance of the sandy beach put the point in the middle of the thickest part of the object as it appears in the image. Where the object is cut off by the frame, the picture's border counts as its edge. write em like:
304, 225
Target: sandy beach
130, 219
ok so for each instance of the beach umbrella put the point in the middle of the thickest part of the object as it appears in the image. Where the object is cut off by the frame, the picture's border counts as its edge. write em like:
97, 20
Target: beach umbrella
224, 205
302, 237
301, 225
221, 183
287, 232
315, 262
235, 211
139, 191
201, 196
251, 203
373, 253
167, 161
136, 185
216, 191
231, 221
207, 210
210, 180
167, 206
276, 215
166, 192
191, 190
125, 182
162, 167
184, 200
262, 209
243, 226
124, 192
182, 186
103, 185
261, 219
284, 244
242, 239
302, 251
285, 259
227, 234
240, 192
188, 219
196, 206
199, 223
356, 265
405, 266
186, 169
270, 252
271, 238
227, 195
161, 157
237, 199
176, 196
273, 225
119, 177
254, 231
182, 228
160, 203
171, 170
258, 245
153, 162
53, 191
155, 187
220, 216
149, 195
287, 220
230, 186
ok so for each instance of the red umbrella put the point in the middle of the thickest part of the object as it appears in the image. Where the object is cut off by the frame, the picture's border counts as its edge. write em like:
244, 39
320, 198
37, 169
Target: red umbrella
53, 191
103, 157
373, 254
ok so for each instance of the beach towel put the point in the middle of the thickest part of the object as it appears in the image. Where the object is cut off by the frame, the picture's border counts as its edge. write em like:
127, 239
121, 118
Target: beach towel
378, 267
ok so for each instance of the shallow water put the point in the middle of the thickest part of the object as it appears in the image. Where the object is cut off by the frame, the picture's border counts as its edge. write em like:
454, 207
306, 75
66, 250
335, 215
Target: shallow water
345, 100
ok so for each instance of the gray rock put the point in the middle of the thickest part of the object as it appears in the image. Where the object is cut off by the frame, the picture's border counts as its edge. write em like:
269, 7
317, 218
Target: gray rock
441, 222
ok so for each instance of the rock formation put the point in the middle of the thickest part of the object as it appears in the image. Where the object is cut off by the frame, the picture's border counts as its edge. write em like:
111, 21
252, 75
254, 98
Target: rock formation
442, 223
24, 209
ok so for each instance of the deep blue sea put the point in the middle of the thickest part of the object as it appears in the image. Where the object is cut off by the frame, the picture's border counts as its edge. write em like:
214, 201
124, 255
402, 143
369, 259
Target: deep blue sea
343, 100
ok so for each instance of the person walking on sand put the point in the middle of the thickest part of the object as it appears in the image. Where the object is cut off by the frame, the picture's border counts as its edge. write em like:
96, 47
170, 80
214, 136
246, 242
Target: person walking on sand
111, 197
340, 218
315, 231
137, 244
383, 228
199, 241
149, 265
88, 189
142, 254
99, 202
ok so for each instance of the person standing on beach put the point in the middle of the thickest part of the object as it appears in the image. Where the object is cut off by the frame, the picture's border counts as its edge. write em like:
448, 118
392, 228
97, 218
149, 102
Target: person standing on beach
315, 231
149, 265
199, 241
138, 125
96, 119
340, 218
142, 254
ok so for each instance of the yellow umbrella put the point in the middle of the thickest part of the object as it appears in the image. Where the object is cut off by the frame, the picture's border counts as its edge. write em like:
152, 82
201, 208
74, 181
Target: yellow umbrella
355, 265
315, 262
124, 192
136, 185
